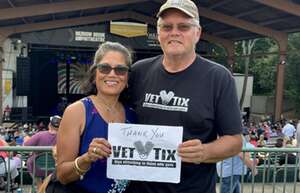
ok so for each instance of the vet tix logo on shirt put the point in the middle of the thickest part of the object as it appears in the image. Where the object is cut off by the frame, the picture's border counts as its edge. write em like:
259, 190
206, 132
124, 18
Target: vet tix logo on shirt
166, 101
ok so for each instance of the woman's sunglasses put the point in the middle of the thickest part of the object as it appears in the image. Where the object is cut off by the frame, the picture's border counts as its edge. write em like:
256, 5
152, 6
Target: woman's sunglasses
120, 69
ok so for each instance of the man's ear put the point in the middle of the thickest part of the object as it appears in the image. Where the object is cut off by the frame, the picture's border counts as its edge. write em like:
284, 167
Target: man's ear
199, 32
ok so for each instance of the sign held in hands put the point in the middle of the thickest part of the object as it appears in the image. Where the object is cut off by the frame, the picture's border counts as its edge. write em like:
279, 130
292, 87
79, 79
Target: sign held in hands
144, 152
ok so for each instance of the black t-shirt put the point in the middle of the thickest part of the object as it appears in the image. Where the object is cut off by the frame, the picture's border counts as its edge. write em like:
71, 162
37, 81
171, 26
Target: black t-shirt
201, 98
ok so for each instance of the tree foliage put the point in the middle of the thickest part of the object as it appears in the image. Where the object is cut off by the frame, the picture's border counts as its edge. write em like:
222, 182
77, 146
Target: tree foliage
263, 65
292, 70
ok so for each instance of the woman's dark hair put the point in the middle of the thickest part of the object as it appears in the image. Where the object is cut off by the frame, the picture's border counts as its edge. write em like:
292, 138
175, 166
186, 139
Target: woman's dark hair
89, 86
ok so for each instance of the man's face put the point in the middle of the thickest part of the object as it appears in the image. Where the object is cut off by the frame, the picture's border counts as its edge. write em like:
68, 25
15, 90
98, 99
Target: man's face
177, 33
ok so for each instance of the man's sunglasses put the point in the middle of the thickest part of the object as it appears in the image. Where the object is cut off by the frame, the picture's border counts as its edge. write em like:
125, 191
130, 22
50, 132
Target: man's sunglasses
120, 69
183, 27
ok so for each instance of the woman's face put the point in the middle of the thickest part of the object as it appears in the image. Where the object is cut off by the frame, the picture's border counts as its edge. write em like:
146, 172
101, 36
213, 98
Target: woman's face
111, 81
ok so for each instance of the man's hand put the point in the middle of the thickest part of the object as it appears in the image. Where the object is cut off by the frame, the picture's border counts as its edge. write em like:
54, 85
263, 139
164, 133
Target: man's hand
192, 151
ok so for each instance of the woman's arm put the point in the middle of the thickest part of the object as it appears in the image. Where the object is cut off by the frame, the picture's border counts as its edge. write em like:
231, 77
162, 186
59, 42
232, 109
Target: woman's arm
68, 140
70, 166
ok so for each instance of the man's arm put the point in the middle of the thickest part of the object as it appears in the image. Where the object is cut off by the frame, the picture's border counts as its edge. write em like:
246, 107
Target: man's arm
194, 151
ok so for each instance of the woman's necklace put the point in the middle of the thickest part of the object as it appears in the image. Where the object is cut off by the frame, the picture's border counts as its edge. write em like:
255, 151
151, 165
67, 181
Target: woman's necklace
110, 110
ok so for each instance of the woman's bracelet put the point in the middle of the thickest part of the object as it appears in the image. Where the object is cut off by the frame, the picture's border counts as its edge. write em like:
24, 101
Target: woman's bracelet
81, 176
79, 171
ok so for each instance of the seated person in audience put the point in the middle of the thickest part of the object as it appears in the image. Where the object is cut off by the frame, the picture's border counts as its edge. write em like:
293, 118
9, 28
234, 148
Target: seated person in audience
42, 138
253, 140
284, 157
2, 133
27, 136
9, 162
9, 138
261, 141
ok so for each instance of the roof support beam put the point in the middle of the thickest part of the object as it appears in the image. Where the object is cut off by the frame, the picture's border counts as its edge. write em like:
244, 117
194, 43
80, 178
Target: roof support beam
64, 23
229, 20
250, 12
269, 22
239, 23
43, 9
97, 19
227, 44
283, 5
218, 4
283, 44
280, 37
142, 18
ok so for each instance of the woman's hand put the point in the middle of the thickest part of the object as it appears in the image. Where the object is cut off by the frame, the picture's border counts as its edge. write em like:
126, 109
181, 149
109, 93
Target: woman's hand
99, 148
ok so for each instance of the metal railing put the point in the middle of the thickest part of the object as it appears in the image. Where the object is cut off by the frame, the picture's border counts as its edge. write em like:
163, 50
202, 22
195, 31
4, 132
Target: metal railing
275, 172
24, 178
271, 178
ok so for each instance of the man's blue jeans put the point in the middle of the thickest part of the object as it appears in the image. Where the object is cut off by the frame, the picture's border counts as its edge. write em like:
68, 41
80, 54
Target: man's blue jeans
228, 187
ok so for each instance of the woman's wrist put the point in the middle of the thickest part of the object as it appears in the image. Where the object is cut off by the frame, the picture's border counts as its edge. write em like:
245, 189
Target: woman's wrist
85, 159
82, 163
81, 167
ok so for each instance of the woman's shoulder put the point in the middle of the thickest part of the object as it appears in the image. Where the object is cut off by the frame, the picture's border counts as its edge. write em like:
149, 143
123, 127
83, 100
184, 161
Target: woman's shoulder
74, 111
77, 105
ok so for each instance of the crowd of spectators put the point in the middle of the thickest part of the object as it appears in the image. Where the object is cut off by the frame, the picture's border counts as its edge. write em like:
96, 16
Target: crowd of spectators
36, 134
282, 134
266, 133
285, 133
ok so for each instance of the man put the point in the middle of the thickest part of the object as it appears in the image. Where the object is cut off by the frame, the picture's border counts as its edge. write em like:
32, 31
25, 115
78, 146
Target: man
289, 129
181, 88
42, 138
231, 169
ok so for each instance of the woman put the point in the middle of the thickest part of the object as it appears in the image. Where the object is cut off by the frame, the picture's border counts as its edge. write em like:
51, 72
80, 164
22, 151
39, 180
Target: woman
82, 146
261, 141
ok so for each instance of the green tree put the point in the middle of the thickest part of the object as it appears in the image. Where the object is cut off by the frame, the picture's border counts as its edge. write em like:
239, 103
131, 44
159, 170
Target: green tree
292, 70
262, 64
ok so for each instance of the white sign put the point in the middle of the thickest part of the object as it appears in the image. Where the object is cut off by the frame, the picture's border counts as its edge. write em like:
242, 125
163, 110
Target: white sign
144, 152
89, 36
